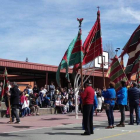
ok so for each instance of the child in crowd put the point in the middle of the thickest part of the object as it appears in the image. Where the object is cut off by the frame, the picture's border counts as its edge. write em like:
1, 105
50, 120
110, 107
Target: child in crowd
100, 99
58, 105
27, 109
71, 105
66, 106
22, 102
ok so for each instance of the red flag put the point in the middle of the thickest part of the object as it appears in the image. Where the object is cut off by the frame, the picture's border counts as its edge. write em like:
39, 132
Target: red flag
5, 85
126, 47
132, 48
116, 73
93, 43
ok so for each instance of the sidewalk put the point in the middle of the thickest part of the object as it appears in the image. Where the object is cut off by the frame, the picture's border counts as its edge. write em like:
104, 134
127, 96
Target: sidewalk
40, 122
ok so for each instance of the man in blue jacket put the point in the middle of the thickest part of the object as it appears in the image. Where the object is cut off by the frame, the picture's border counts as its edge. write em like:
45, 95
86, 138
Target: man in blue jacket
122, 102
134, 96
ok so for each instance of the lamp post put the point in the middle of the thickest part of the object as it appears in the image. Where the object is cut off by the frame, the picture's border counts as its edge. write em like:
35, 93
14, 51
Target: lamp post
117, 49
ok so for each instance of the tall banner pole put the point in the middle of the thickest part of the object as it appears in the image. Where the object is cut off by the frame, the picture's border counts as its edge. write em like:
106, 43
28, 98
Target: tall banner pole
9, 109
6, 92
81, 72
102, 63
103, 71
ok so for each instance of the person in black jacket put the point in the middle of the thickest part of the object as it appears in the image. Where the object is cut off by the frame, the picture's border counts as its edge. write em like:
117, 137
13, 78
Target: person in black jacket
134, 96
35, 89
14, 93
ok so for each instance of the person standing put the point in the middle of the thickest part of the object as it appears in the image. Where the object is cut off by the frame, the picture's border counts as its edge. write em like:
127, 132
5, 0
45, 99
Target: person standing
34, 107
122, 102
22, 103
35, 90
88, 101
30, 89
14, 93
51, 90
109, 98
134, 96
100, 100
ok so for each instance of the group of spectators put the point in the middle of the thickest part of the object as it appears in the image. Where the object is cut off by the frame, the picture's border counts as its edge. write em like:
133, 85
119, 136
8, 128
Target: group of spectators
30, 100
62, 99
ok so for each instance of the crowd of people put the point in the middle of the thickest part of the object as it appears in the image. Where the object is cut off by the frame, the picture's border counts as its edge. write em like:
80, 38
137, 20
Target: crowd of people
30, 100
106, 99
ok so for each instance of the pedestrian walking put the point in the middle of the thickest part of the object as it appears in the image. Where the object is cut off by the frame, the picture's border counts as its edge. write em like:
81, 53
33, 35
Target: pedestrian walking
14, 93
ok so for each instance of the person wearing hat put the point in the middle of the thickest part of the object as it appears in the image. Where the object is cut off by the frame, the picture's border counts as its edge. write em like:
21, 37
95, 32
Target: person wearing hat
134, 96
87, 97
122, 102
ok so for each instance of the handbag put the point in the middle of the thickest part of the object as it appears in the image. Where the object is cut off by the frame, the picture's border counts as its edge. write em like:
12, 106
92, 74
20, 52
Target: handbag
105, 106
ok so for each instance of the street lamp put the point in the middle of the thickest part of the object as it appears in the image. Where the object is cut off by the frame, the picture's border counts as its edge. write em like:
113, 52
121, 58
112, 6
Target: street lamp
117, 50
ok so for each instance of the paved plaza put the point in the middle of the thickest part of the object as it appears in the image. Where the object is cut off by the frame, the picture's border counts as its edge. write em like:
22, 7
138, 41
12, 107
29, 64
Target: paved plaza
66, 127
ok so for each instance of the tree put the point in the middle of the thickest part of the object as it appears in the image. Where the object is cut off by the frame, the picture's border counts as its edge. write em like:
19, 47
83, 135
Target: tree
110, 49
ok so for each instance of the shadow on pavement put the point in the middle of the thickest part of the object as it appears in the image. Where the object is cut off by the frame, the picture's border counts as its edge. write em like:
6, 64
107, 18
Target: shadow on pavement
3, 122
52, 119
74, 128
80, 128
74, 115
66, 123
22, 126
63, 133
9, 135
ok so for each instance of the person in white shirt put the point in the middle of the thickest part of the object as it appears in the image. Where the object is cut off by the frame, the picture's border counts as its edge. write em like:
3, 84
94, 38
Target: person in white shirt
30, 90
27, 103
51, 90
100, 99
58, 105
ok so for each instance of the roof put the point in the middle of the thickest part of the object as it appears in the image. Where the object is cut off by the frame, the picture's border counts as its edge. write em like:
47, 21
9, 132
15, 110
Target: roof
27, 65
21, 65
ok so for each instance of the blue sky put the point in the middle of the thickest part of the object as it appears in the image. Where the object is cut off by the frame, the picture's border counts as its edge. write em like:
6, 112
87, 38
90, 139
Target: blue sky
42, 29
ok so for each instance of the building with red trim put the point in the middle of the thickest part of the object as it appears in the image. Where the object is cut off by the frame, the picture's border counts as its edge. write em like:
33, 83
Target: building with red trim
41, 74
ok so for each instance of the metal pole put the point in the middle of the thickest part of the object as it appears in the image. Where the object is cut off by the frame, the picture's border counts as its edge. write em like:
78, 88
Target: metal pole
9, 109
81, 71
76, 103
103, 71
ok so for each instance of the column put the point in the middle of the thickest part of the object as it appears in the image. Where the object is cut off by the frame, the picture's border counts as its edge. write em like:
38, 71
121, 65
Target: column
46, 78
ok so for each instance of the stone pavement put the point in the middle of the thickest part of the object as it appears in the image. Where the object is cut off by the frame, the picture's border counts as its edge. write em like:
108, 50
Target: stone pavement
65, 127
